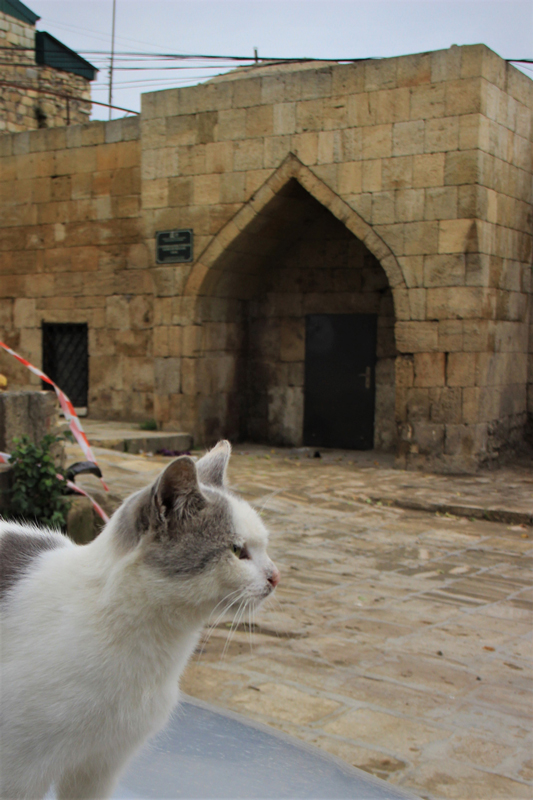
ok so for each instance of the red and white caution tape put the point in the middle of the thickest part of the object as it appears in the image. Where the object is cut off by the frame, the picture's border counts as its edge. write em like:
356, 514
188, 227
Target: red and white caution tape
98, 508
66, 406
5, 457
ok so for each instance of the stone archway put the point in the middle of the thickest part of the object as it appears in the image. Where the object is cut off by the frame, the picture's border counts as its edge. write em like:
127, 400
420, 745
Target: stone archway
295, 249
205, 268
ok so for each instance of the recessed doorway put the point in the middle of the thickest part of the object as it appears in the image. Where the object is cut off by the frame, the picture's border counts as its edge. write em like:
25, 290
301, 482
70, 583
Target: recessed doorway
339, 387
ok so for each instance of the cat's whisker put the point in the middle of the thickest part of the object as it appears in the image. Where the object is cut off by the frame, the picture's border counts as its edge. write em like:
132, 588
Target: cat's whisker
269, 497
233, 627
250, 629
236, 622
224, 600
210, 628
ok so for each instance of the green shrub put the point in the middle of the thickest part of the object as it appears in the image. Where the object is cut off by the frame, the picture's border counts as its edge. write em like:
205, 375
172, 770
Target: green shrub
148, 425
37, 494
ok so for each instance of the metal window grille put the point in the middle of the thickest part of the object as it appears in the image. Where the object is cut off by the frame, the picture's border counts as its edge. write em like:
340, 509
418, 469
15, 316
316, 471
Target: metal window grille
66, 359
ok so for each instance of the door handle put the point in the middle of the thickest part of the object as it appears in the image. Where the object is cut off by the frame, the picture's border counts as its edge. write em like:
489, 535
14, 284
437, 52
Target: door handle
367, 375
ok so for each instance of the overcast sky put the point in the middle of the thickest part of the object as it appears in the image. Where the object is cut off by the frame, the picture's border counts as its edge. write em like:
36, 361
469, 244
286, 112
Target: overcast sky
334, 29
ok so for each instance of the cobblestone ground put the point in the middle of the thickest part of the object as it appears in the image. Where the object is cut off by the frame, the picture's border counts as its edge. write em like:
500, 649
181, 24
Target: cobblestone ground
398, 640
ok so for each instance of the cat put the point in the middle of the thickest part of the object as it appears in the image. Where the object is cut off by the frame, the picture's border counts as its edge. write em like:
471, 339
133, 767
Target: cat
95, 637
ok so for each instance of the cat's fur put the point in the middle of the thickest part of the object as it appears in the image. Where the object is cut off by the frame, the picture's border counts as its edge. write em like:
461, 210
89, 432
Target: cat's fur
94, 638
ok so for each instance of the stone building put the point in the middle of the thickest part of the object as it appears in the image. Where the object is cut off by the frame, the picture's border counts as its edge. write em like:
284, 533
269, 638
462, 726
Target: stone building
42, 82
360, 232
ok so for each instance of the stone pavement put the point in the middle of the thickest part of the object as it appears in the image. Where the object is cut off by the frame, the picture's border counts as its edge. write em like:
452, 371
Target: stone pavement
399, 640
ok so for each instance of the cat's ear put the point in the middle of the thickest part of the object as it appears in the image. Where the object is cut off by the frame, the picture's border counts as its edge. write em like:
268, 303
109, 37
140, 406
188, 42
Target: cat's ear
177, 487
212, 467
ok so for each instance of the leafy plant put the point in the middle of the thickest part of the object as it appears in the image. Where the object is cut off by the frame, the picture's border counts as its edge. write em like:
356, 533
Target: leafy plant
37, 494
148, 425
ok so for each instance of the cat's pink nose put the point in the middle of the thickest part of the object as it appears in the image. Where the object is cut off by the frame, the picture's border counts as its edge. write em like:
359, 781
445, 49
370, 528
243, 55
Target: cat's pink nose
274, 577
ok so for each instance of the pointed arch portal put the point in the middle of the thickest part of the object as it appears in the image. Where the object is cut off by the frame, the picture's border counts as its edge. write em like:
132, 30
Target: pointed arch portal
296, 263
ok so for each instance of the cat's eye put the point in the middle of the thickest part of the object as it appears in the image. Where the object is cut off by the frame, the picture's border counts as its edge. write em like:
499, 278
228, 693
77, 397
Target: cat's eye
239, 551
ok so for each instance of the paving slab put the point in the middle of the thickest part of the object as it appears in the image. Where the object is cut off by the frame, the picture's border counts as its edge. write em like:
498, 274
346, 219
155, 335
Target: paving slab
398, 640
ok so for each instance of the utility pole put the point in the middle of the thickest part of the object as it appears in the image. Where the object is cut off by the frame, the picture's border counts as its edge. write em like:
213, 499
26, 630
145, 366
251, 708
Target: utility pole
110, 100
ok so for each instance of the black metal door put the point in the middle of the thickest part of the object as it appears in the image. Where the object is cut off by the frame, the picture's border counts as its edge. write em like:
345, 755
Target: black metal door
340, 358
66, 359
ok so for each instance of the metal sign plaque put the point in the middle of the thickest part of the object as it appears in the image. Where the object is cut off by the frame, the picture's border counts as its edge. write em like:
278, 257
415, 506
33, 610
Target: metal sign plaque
174, 247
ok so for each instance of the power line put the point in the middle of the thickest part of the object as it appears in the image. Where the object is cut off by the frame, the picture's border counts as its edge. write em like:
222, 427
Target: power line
40, 90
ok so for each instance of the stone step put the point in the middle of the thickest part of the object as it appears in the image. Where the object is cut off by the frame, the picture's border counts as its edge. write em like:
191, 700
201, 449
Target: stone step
145, 442
129, 438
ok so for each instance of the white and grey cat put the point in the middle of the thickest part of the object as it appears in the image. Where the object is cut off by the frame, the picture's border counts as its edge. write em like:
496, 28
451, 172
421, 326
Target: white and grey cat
95, 638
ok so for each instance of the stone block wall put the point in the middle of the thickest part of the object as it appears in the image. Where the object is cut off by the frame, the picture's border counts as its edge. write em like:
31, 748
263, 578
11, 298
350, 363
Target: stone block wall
432, 152
425, 161
72, 250
24, 102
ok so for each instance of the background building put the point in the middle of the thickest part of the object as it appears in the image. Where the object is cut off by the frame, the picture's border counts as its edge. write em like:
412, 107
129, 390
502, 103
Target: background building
42, 82
281, 235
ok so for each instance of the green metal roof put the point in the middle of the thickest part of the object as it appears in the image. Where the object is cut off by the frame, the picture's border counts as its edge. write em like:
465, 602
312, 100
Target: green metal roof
14, 8
50, 52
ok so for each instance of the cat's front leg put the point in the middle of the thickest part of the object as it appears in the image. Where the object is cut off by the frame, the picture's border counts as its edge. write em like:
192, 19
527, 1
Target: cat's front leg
94, 780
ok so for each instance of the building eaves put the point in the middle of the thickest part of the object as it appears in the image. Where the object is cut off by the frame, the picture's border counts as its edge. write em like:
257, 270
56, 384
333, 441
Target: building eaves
16, 9
50, 52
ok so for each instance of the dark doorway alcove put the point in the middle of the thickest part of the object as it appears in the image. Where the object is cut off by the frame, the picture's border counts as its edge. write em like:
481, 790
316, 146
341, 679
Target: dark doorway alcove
294, 259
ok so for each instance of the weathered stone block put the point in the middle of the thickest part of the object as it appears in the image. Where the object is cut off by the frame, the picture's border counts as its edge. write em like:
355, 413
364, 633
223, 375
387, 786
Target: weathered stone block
458, 236
428, 169
24, 313
441, 203
206, 189
444, 270
417, 404
420, 238
427, 438
461, 369
309, 115
259, 121
349, 177
412, 268
478, 335
442, 135
383, 208
409, 205
292, 340
192, 340
247, 93
397, 173
156, 194
329, 147
445, 405
392, 105
408, 138
248, 155
462, 166
428, 100
284, 118
305, 147
416, 337
462, 302
377, 141
429, 369
167, 375
380, 75
417, 304
347, 79
371, 176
